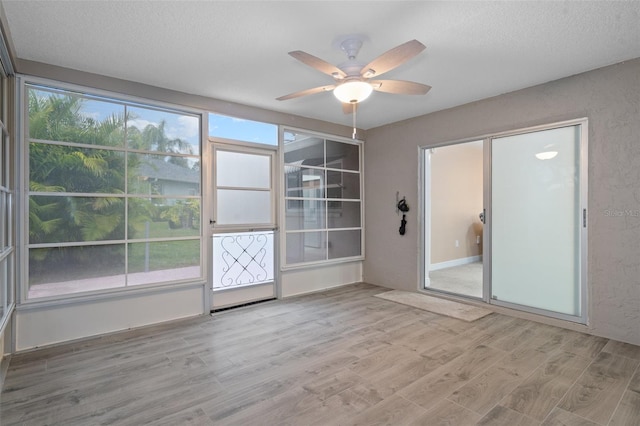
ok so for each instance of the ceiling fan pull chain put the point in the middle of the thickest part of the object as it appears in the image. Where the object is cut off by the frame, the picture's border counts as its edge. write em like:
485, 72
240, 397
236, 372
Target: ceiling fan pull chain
353, 136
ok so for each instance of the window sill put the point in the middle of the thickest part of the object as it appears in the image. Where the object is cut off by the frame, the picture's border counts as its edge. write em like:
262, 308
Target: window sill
80, 298
321, 263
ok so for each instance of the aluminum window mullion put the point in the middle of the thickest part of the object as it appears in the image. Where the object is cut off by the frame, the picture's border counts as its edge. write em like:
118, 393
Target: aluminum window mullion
110, 242
244, 188
301, 231
305, 166
124, 149
107, 195
331, 169
77, 145
6, 253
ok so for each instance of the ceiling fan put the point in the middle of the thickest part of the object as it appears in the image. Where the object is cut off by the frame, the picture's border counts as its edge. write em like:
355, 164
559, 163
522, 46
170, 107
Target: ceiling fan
353, 81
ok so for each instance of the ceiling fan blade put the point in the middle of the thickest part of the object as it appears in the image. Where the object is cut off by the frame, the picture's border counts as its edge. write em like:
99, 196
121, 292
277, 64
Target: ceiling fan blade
348, 108
400, 87
306, 92
319, 64
392, 58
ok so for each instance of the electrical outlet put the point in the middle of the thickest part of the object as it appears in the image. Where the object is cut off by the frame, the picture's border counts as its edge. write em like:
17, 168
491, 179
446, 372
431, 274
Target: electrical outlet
457, 243
477, 239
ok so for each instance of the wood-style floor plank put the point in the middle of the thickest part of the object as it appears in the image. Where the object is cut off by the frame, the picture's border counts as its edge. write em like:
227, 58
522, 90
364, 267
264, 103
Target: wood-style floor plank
628, 411
622, 349
447, 413
546, 386
598, 391
340, 357
503, 416
484, 392
559, 417
430, 389
394, 410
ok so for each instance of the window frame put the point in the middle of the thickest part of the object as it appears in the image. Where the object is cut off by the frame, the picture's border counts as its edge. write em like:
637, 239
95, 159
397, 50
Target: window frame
284, 199
7, 198
23, 177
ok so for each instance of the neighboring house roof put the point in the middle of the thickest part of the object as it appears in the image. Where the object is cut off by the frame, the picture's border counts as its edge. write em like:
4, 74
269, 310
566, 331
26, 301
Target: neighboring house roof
159, 169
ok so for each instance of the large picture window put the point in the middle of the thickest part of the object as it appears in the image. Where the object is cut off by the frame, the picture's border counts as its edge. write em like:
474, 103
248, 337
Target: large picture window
322, 199
114, 193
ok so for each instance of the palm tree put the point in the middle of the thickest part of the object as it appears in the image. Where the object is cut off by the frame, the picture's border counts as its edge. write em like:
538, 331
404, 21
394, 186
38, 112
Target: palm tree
74, 168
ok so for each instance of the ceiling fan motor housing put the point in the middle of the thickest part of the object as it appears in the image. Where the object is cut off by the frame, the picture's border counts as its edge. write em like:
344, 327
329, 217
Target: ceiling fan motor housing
351, 47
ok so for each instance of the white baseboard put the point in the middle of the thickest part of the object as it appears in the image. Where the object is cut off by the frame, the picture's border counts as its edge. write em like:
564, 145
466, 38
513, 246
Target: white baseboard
455, 262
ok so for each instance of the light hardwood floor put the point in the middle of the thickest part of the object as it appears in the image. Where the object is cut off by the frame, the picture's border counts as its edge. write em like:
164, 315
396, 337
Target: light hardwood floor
342, 357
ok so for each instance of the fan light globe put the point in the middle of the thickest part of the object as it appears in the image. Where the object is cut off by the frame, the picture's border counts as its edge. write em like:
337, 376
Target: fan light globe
353, 91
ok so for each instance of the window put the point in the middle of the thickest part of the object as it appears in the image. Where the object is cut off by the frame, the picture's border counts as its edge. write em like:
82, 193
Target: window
238, 129
7, 246
322, 199
114, 193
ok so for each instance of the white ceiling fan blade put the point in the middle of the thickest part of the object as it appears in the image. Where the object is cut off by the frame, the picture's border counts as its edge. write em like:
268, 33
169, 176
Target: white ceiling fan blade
319, 64
392, 58
400, 87
306, 92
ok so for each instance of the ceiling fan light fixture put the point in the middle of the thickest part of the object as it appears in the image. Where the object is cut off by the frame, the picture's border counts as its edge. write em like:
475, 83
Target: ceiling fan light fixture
353, 91
546, 155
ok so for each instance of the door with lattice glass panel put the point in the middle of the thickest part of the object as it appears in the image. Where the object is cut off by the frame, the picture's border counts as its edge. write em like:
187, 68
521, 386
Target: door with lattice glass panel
244, 228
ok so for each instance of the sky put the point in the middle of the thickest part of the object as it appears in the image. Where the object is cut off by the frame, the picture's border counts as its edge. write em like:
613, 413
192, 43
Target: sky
244, 130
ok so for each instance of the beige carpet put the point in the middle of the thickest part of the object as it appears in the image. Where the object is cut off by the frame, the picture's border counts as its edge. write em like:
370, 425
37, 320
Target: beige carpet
433, 304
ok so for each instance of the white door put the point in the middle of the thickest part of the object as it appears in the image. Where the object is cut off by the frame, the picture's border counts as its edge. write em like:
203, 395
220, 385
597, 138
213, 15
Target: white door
538, 221
244, 232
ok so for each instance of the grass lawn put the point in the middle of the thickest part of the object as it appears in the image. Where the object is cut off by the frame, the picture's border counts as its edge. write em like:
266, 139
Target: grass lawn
162, 255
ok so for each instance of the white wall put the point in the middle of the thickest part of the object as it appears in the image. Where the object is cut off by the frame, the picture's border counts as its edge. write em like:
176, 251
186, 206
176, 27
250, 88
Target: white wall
47, 325
307, 280
610, 98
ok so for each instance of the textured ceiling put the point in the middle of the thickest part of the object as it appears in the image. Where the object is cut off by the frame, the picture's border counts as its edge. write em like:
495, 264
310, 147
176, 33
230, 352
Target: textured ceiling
237, 51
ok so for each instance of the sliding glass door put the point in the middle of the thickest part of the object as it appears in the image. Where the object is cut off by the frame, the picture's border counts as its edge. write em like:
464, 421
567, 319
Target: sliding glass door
519, 200
538, 221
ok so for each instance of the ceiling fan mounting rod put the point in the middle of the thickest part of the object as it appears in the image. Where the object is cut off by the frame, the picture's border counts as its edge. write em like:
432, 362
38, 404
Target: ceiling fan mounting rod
351, 47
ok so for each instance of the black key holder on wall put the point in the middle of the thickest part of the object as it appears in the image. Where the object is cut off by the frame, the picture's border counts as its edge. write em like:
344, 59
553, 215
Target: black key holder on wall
402, 206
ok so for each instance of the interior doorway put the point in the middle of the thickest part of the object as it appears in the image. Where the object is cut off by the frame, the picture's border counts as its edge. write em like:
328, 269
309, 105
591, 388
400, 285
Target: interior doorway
454, 215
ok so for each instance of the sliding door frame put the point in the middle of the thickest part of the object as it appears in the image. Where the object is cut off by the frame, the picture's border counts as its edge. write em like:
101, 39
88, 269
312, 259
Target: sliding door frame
425, 218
